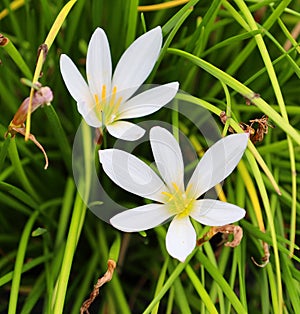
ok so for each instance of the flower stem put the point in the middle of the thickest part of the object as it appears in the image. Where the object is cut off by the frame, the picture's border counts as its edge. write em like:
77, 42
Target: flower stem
72, 240
19, 170
14, 292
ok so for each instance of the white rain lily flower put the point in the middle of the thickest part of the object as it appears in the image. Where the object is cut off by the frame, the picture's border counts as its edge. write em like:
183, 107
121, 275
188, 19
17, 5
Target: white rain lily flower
107, 99
174, 200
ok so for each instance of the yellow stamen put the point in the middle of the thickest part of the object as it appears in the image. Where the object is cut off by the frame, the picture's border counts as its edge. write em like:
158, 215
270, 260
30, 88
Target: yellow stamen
113, 96
98, 104
187, 208
178, 201
107, 110
115, 110
175, 186
168, 194
118, 103
103, 94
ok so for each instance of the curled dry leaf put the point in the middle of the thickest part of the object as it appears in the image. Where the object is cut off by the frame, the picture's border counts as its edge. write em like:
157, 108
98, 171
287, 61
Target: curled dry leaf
111, 265
265, 259
261, 130
236, 231
256, 133
35, 141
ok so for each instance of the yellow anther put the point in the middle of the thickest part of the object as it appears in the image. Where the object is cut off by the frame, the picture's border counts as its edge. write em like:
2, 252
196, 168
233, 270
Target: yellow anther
175, 186
98, 105
118, 102
113, 96
168, 194
107, 110
103, 94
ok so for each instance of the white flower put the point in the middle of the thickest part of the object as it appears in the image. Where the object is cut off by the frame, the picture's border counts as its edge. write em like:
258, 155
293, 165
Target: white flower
174, 199
106, 100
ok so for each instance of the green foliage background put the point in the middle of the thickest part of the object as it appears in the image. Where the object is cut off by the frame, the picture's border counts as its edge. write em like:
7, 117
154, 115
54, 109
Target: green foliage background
219, 51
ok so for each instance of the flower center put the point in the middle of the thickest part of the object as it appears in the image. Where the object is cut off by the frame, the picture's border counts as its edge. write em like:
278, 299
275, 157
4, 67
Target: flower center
179, 202
107, 107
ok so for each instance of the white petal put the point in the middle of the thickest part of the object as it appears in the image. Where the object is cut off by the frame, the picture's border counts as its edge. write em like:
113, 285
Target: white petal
217, 163
148, 102
74, 81
181, 238
89, 115
137, 62
168, 157
132, 174
98, 63
216, 213
141, 218
125, 130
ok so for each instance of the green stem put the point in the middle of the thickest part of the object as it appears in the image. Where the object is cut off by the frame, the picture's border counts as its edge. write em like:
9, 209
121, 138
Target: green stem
277, 90
228, 108
19, 170
132, 21
175, 121
201, 290
160, 282
177, 271
76, 223
60, 136
14, 293
4, 150
18, 59
265, 200
72, 240
241, 89
65, 212
214, 272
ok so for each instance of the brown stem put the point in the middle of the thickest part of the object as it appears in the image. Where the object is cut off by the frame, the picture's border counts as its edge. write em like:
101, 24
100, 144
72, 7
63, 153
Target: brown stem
111, 265
34, 140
